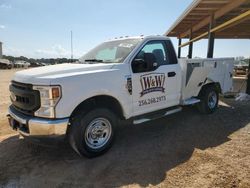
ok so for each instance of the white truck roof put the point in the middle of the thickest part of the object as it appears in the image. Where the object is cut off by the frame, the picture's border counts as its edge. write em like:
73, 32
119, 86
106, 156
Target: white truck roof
150, 37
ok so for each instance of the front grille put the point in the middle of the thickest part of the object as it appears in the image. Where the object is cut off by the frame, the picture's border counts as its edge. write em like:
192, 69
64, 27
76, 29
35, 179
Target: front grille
24, 98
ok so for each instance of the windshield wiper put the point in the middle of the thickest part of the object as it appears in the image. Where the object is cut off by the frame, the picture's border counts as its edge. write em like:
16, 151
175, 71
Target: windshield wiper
93, 60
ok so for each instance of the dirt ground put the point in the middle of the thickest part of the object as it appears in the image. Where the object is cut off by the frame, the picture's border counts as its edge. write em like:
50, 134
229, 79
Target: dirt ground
186, 149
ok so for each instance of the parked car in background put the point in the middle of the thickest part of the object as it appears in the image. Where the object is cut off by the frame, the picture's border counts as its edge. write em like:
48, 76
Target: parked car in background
241, 68
5, 64
21, 64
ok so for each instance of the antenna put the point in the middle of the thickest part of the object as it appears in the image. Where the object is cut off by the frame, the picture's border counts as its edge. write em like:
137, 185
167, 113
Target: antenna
71, 36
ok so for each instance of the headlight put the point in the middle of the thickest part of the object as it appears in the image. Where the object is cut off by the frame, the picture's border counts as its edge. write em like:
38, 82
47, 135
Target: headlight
49, 97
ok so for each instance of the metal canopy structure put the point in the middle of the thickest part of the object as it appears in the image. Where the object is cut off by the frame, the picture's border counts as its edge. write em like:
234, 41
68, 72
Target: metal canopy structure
211, 19
225, 19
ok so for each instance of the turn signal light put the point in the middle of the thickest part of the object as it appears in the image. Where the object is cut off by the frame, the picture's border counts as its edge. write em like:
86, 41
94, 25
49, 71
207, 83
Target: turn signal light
55, 92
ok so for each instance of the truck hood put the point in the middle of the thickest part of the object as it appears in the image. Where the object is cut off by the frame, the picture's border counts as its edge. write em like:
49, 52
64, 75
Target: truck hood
45, 75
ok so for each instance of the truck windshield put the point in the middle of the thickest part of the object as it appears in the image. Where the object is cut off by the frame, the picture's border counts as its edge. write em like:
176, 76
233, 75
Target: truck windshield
110, 52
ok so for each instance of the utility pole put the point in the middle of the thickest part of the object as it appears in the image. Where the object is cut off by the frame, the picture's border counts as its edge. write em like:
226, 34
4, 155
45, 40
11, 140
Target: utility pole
71, 36
1, 50
248, 78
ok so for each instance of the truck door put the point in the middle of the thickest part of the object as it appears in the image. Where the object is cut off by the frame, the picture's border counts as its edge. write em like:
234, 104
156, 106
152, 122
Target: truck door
160, 87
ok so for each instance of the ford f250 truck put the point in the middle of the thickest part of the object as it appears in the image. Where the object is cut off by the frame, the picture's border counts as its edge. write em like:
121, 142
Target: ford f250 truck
133, 78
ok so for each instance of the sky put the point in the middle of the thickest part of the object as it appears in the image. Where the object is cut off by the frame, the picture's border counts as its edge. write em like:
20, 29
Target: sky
41, 28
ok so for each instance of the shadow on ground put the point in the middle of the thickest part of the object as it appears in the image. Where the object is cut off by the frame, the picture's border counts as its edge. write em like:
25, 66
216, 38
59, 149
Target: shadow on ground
142, 154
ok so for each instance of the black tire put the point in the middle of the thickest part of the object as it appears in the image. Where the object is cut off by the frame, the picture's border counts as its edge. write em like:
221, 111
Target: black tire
86, 127
209, 97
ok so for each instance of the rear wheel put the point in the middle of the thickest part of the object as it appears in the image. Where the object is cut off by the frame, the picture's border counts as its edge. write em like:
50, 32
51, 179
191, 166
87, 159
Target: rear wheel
91, 134
209, 97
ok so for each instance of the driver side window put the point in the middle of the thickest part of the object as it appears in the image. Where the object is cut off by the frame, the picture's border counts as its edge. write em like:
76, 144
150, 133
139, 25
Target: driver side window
154, 49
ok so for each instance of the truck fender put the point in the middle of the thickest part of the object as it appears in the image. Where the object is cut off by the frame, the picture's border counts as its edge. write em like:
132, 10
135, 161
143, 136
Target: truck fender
100, 101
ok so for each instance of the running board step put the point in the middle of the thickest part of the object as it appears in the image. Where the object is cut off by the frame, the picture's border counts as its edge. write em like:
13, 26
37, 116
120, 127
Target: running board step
191, 101
156, 116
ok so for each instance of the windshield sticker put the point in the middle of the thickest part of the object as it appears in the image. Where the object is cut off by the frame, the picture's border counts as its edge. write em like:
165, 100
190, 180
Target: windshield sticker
152, 83
125, 45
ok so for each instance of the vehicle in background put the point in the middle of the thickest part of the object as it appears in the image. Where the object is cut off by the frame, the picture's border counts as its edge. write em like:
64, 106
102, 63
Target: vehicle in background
5, 64
241, 68
21, 64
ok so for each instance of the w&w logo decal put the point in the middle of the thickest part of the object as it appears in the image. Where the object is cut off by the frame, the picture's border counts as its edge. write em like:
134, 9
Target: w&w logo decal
152, 83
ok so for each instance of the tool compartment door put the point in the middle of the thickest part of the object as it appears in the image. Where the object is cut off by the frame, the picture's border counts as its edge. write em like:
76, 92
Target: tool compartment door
195, 81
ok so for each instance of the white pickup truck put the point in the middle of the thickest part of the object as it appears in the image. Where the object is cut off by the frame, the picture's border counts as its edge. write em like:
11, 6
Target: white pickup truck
133, 78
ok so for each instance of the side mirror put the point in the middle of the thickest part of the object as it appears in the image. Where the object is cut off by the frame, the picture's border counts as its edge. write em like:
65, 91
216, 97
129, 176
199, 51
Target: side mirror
150, 61
138, 65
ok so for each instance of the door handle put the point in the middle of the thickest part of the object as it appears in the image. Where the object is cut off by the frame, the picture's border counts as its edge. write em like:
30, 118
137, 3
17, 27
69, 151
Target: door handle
171, 74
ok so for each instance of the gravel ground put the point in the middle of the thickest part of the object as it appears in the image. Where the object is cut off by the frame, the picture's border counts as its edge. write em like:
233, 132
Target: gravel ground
186, 149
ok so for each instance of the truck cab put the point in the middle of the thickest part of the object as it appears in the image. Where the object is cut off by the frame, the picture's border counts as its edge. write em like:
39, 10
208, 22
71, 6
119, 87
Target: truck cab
131, 78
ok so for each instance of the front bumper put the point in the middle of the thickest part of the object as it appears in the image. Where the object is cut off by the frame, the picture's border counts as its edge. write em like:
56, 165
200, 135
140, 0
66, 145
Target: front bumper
37, 127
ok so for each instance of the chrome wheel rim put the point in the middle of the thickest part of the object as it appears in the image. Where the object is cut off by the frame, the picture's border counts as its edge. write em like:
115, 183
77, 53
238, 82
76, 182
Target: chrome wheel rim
212, 100
98, 133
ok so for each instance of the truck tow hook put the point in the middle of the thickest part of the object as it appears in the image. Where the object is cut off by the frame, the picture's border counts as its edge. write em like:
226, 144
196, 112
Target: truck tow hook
13, 123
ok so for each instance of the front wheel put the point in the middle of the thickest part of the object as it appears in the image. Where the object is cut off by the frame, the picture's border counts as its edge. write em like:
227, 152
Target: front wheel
209, 97
92, 134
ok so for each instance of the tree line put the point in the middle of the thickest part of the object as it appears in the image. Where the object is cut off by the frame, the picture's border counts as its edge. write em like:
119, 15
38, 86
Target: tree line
50, 61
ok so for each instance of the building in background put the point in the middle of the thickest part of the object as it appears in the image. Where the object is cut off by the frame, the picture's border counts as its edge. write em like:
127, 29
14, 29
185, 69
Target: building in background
4, 63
